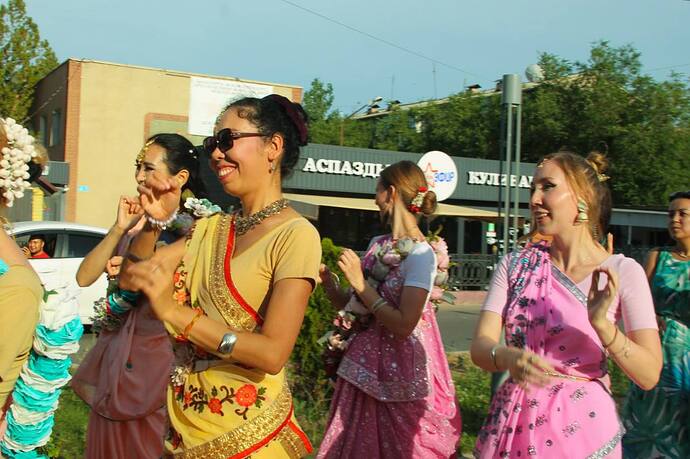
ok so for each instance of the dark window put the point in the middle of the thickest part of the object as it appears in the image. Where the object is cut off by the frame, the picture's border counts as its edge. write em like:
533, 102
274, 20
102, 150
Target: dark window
22, 240
80, 244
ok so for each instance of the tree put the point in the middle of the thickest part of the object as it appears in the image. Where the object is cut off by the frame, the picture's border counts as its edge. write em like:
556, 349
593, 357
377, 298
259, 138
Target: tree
24, 59
324, 122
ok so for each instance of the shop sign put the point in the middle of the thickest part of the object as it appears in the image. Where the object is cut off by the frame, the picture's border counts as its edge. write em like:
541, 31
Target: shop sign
441, 173
495, 179
339, 167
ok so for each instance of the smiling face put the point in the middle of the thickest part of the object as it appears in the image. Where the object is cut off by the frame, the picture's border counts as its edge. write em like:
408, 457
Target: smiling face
153, 161
35, 246
245, 166
679, 219
553, 202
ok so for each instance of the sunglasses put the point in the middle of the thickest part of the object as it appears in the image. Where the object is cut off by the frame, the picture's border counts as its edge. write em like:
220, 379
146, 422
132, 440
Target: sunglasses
224, 140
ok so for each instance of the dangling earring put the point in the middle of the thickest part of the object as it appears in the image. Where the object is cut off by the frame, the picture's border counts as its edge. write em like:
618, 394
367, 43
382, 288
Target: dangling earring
271, 168
582, 209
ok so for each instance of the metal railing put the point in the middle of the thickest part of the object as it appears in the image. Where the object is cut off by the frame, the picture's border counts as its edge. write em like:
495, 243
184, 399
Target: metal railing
471, 271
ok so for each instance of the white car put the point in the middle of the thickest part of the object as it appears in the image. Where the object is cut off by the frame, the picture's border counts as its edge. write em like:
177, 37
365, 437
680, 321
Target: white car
67, 244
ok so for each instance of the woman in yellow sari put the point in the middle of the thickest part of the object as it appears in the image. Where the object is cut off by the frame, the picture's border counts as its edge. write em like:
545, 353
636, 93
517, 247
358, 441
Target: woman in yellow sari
233, 295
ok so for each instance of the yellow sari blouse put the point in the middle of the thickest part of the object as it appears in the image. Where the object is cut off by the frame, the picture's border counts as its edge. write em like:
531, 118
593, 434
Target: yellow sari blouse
222, 408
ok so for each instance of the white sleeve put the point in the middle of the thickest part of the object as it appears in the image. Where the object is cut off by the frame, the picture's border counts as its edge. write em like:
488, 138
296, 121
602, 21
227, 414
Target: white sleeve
420, 267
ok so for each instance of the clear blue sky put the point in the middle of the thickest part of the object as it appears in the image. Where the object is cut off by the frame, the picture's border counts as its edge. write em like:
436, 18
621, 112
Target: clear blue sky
273, 40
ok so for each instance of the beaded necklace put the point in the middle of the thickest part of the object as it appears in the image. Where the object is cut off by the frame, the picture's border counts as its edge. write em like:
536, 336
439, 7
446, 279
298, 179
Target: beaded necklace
244, 224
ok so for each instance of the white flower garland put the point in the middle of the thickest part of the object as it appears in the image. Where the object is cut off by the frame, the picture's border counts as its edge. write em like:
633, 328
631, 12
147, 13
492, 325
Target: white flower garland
14, 167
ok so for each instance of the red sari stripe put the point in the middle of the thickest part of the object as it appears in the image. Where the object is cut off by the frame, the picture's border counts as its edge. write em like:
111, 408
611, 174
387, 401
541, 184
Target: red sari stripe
228, 277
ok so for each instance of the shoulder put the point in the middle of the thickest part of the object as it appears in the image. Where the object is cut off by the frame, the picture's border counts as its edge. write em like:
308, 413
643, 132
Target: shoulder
421, 252
298, 231
626, 268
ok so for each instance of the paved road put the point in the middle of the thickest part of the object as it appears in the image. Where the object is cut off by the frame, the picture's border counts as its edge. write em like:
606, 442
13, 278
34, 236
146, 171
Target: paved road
457, 325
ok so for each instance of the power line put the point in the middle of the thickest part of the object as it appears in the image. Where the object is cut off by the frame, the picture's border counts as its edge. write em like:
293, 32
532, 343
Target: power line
669, 67
382, 40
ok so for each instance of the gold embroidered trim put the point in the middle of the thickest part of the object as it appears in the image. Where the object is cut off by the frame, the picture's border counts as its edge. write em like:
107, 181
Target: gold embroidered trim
292, 443
248, 434
233, 313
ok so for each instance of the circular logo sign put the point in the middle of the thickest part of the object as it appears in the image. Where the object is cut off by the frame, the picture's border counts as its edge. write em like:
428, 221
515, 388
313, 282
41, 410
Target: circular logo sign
441, 173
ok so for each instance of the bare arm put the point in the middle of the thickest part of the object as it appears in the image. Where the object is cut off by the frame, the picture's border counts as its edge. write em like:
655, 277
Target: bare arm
639, 353
650, 264
128, 214
401, 321
267, 350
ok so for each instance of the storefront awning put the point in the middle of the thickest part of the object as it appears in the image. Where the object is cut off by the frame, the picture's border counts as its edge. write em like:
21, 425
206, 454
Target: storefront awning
307, 205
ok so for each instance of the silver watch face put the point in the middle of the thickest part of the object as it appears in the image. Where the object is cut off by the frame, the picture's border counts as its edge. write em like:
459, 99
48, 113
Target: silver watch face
227, 343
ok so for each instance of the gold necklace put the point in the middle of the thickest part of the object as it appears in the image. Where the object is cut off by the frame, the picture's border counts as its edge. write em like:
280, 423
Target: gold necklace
244, 224
681, 255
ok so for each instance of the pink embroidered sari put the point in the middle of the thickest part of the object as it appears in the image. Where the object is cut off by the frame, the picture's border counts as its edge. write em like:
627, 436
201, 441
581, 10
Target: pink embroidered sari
573, 416
394, 397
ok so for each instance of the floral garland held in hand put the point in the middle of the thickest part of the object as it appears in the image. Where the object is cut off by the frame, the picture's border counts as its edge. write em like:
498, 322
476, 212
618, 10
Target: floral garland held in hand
356, 317
14, 161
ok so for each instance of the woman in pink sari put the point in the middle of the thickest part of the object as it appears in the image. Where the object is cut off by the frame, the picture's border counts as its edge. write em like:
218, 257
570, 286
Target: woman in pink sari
559, 304
394, 396
124, 376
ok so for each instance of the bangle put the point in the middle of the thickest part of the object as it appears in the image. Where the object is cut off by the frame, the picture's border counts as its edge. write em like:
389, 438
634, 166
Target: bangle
185, 333
624, 350
378, 304
335, 279
615, 335
493, 355
161, 224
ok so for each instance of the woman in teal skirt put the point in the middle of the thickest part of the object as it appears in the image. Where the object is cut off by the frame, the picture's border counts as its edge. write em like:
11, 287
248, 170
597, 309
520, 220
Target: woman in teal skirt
658, 421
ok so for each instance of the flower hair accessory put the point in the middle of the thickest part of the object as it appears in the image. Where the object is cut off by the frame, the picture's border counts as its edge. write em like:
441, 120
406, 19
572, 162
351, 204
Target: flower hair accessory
416, 204
14, 161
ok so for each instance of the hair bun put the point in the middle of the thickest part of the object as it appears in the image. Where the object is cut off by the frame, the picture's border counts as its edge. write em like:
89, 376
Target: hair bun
429, 204
598, 160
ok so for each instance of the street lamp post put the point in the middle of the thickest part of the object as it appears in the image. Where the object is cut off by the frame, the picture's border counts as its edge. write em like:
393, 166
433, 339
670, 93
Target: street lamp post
373, 101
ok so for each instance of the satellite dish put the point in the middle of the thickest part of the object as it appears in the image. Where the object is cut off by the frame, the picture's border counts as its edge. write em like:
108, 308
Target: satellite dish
534, 73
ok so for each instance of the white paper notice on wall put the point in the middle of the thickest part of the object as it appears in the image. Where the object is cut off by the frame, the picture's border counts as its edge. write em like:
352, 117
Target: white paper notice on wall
208, 96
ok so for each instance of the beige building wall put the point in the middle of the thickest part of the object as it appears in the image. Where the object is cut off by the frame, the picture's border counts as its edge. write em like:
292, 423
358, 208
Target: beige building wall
111, 110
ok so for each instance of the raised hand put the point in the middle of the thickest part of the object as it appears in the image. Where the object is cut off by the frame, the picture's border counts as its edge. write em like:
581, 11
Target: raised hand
599, 301
351, 267
159, 197
113, 265
129, 211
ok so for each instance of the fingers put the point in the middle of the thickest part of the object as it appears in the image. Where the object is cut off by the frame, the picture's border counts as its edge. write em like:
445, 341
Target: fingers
594, 287
531, 370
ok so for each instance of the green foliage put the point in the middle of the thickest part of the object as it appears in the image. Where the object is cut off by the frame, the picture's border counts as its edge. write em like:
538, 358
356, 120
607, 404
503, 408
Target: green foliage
24, 59
69, 433
472, 386
645, 123
309, 381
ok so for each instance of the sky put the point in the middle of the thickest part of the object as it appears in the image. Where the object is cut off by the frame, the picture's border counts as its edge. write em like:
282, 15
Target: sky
405, 50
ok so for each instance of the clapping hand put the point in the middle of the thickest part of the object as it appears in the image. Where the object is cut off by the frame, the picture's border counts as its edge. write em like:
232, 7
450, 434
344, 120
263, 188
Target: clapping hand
129, 211
159, 197
599, 301
351, 267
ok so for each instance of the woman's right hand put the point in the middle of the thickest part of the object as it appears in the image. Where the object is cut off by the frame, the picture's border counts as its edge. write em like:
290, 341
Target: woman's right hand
159, 197
525, 367
129, 212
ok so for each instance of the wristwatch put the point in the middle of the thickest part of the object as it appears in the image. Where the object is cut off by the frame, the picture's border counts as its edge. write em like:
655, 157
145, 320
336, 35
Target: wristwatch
227, 343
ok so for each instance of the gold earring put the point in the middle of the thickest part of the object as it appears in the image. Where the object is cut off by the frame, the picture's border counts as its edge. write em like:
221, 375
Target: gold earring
582, 209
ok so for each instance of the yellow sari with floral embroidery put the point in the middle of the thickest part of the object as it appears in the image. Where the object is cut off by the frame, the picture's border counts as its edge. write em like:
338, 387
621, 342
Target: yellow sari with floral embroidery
220, 408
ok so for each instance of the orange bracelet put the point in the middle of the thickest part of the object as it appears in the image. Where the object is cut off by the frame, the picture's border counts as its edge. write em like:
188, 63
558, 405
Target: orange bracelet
188, 328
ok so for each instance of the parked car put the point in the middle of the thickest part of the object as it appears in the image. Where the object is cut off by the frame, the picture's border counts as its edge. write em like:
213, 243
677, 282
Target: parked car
67, 244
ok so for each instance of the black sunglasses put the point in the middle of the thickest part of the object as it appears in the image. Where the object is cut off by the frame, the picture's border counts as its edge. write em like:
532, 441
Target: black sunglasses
224, 139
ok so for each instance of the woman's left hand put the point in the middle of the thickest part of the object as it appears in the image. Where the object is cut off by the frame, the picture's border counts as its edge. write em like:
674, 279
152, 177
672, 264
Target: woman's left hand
351, 267
159, 197
599, 301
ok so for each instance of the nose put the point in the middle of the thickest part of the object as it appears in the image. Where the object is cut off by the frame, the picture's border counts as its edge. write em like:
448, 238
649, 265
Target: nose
535, 199
217, 155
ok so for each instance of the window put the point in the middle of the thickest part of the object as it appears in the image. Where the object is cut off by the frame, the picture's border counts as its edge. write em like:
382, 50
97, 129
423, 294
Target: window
55, 128
50, 240
80, 244
43, 129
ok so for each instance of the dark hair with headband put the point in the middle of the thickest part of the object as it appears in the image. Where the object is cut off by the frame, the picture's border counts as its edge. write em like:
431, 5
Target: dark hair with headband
275, 114
181, 154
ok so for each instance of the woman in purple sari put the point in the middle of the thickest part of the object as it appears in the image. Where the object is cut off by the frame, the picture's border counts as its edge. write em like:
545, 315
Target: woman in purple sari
394, 396
559, 304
